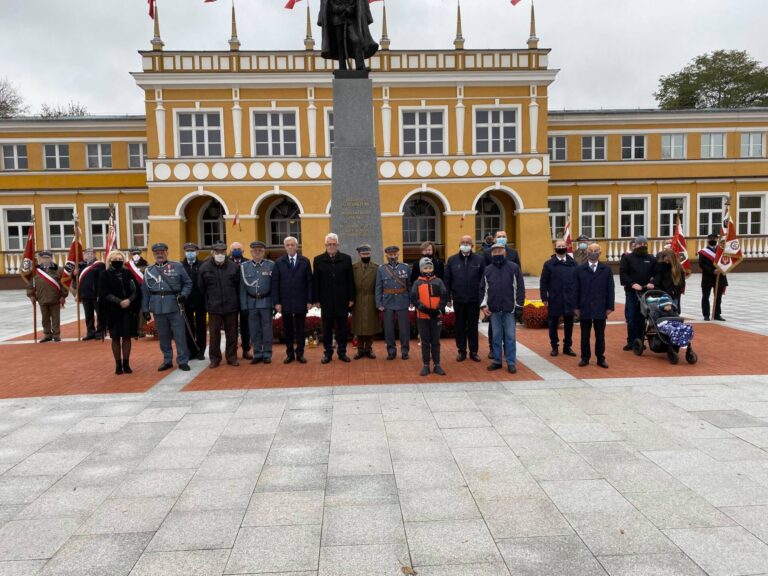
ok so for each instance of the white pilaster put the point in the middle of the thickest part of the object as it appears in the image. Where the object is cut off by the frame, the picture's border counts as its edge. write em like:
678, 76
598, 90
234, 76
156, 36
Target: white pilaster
237, 122
533, 118
160, 123
312, 123
460, 111
386, 122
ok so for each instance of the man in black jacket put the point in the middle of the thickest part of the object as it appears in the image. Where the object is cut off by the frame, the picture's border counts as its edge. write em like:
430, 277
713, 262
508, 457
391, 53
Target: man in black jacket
709, 274
218, 280
236, 256
292, 285
87, 281
333, 287
463, 274
512, 256
194, 307
637, 271
558, 287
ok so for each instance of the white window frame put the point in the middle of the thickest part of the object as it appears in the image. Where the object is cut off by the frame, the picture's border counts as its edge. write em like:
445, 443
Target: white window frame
710, 147
200, 230
328, 112
58, 156
518, 126
568, 210
634, 147
749, 146
502, 214
85, 225
45, 208
593, 148
15, 157
100, 155
552, 147
251, 120
129, 220
438, 220
763, 211
446, 132
715, 226
672, 147
685, 212
646, 214
142, 155
4, 217
608, 222
177, 139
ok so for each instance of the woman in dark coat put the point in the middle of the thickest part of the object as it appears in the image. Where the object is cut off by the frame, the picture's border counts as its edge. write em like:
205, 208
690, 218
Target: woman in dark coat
670, 276
120, 298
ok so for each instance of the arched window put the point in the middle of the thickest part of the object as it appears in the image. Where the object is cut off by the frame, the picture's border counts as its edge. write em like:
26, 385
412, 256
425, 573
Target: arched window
212, 225
489, 217
283, 219
420, 221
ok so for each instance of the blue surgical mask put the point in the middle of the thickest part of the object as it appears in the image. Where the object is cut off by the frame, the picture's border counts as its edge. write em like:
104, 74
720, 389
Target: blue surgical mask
502, 240
237, 253
465, 249
498, 259
192, 256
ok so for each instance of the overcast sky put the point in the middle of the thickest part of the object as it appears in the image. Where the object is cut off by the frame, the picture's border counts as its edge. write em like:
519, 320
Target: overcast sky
610, 52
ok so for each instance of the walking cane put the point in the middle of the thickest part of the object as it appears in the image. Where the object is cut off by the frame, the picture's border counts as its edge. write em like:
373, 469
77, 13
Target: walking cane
34, 308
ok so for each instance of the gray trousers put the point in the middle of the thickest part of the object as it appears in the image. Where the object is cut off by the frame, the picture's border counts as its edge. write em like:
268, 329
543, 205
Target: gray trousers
389, 330
260, 327
171, 327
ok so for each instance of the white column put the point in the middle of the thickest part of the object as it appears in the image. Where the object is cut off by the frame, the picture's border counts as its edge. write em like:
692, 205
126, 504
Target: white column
312, 123
237, 122
386, 122
533, 118
460, 110
160, 123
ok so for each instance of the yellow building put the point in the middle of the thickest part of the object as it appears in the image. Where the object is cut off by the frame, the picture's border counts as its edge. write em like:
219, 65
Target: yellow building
466, 145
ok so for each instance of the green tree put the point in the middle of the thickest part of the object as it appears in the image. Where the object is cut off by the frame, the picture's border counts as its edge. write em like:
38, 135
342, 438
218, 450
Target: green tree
722, 79
11, 101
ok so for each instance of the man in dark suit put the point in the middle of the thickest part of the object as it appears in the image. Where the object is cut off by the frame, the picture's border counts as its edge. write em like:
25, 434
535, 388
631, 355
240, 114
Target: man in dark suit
595, 301
333, 288
292, 285
511, 256
194, 305
88, 280
709, 274
557, 285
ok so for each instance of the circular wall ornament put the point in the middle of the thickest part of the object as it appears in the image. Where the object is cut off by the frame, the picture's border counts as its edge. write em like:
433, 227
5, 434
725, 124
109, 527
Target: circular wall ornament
200, 171
424, 168
162, 171
257, 170
498, 167
442, 168
461, 168
313, 170
516, 167
295, 170
534, 166
406, 169
276, 170
238, 170
479, 167
220, 170
181, 171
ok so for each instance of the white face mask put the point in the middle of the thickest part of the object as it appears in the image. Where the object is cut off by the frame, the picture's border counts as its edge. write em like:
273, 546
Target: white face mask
465, 249
136, 257
219, 258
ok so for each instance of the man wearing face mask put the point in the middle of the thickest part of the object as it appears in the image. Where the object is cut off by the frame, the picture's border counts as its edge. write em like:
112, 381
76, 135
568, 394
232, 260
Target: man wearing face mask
236, 255
595, 302
637, 271
393, 287
219, 283
87, 291
166, 285
49, 294
428, 251
463, 274
194, 305
580, 253
557, 286
512, 256
258, 298
137, 264
365, 316
709, 275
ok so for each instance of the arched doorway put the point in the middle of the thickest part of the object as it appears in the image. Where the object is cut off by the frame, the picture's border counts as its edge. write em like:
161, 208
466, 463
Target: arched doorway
212, 228
283, 218
422, 222
495, 210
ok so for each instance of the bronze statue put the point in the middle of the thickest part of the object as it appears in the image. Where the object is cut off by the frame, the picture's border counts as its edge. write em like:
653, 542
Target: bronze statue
345, 31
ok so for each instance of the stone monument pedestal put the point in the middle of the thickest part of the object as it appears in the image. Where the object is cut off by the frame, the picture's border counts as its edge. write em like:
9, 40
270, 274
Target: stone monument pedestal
355, 204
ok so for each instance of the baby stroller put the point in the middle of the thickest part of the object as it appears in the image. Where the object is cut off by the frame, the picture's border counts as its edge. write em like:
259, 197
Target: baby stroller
664, 329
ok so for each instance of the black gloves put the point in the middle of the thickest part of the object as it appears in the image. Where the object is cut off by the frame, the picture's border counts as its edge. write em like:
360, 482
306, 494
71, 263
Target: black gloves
421, 308
518, 313
433, 313
180, 299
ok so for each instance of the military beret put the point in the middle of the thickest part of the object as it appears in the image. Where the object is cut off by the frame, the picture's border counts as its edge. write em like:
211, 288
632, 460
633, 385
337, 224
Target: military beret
219, 246
135, 250
191, 246
46, 253
392, 249
257, 244
159, 246
363, 248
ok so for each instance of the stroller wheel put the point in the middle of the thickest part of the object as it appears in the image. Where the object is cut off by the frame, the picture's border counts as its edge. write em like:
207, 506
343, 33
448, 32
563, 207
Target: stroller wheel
673, 356
691, 357
637, 347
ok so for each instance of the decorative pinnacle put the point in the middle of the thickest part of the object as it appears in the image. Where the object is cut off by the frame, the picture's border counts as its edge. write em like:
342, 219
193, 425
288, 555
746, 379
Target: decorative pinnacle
384, 42
458, 42
309, 42
157, 42
533, 41
234, 42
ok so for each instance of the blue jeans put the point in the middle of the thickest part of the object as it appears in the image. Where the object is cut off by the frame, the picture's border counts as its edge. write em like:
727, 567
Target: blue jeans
503, 324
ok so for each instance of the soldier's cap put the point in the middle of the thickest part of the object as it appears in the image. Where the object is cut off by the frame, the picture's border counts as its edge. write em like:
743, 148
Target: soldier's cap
499, 245
583, 237
390, 249
157, 246
363, 248
641, 240
46, 253
191, 246
135, 250
712, 237
88, 250
257, 244
220, 246
425, 263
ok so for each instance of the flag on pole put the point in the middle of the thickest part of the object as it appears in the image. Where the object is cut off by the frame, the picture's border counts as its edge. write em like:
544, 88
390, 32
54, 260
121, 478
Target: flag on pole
236, 219
110, 242
151, 8
567, 236
74, 258
680, 246
29, 263
728, 254
515, 2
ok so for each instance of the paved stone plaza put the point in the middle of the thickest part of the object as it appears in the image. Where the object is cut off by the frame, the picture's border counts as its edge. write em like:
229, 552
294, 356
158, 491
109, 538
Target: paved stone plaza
664, 475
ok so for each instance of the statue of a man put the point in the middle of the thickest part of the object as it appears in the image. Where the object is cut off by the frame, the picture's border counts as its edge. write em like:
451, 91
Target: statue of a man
345, 31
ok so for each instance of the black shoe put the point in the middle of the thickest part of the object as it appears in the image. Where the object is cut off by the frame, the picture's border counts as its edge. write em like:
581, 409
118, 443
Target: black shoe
256, 361
370, 354
163, 367
627, 348
706, 318
461, 356
554, 352
512, 369
583, 362
405, 356
200, 356
425, 370
118, 369
127, 367
391, 356
360, 354
326, 359
267, 360
718, 318
490, 355
247, 355
569, 351
288, 359
46, 339
602, 363
184, 367
494, 366
475, 357
344, 358
89, 337
438, 370
301, 360
58, 338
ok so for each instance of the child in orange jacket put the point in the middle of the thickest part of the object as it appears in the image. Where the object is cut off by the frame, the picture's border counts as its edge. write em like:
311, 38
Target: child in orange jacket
429, 295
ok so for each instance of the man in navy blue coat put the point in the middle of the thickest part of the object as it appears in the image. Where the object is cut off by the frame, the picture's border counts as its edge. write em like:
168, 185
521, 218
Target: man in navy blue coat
292, 285
558, 287
595, 301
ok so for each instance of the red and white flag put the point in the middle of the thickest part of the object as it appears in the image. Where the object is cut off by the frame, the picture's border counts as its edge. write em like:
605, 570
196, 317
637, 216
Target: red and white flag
728, 254
29, 263
236, 219
680, 247
111, 241
567, 236
151, 8
71, 266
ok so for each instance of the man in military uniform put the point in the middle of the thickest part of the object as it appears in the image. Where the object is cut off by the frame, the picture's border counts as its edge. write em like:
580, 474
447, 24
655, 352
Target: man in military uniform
137, 265
580, 254
393, 289
236, 256
258, 300
46, 290
365, 316
88, 293
166, 286
194, 305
